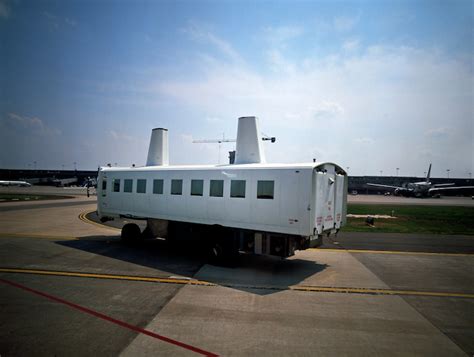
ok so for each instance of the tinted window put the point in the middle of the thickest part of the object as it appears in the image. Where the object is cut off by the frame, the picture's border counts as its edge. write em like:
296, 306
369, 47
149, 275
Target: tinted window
176, 187
104, 185
141, 186
158, 187
216, 188
127, 185
197, 187
116, 185
265, 189
237, 188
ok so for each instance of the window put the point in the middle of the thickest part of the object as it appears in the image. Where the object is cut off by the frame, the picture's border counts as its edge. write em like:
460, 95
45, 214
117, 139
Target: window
104, 185
216, 188
127, 185
116, 185
158, 187
265, 189
176, 187
141, 186
197, 187
237, 188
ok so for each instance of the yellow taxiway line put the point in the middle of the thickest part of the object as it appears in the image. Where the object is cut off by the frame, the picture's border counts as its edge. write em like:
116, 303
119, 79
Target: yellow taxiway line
389, 252
83, 217
187, 281
107, 276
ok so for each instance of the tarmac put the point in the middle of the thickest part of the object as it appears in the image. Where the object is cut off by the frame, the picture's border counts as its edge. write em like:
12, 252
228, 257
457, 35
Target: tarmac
70, 287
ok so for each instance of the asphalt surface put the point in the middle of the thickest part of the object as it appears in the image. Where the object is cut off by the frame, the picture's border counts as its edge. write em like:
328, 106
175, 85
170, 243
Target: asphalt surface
72, 288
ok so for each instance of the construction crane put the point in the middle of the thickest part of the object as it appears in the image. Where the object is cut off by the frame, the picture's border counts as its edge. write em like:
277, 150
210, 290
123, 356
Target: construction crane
216, 141
224, 140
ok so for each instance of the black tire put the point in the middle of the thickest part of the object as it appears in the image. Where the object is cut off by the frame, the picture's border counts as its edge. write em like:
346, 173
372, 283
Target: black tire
222, 249
130, 232
147, 234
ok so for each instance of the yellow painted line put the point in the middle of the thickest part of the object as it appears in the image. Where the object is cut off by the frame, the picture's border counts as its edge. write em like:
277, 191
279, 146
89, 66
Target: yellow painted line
28, 235
379, 291
185, 281
106, 276
390, 252
83, 217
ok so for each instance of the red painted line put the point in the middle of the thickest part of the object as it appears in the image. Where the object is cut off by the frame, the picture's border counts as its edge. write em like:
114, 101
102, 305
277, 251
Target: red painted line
110, 319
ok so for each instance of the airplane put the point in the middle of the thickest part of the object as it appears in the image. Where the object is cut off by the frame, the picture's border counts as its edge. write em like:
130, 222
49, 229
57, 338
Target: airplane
15, 183
422, 188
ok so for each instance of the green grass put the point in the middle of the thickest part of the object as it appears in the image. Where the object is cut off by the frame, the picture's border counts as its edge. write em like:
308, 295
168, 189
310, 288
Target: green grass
8, 197
413, 219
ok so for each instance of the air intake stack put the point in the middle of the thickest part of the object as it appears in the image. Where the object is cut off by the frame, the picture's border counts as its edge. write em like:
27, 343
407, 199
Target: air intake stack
249, 148
158, 150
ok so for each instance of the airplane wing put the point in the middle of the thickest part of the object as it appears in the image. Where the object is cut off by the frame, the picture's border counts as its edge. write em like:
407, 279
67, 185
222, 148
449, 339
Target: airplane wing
443, 184
386, 186
437, 189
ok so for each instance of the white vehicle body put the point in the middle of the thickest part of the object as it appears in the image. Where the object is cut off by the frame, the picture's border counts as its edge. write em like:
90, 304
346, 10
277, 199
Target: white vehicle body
308, 199
292, 204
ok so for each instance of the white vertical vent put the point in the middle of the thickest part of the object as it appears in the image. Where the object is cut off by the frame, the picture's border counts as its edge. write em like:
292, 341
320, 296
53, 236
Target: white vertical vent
158, 150
249, 148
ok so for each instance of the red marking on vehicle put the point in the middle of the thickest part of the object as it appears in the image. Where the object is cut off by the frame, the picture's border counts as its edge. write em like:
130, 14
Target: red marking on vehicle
110, 319
338, 217
328, 219
319, 220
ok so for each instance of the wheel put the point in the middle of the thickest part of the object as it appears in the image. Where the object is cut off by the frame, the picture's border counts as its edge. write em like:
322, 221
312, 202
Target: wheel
147, 233
130, 232
222, 247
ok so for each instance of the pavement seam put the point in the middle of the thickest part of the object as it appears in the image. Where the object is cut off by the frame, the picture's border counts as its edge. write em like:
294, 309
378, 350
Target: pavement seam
34, 235
187, 281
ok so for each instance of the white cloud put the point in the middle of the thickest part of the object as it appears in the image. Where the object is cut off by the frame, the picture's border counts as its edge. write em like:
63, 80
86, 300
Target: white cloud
278, 63
364, 141
351, 45
345, 23
214, 120
279, 36
30, 125
201, 34
327, 110
438, 133
120, 136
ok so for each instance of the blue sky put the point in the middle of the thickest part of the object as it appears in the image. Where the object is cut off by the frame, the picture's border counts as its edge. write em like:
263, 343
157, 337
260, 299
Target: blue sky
370, 85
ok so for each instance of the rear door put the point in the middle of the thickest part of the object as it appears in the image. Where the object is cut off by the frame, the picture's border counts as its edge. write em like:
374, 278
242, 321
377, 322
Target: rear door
325, 198
329, 203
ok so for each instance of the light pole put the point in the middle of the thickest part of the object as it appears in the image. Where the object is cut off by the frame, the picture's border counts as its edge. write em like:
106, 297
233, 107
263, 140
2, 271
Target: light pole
397, 170
470, 174
381, 171
447, 170
75, 166
34, 163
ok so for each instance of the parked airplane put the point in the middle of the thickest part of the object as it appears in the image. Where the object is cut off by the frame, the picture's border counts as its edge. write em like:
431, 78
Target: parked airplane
15, 183
422, 188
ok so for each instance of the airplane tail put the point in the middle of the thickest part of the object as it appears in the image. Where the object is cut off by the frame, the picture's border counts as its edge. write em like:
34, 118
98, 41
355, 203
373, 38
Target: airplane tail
429, 173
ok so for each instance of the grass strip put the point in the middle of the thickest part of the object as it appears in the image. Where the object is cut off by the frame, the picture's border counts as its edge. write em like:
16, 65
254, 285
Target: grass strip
413, 219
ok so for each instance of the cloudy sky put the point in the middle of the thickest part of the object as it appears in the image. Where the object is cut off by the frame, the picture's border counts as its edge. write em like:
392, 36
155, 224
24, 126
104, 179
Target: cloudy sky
371, 85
